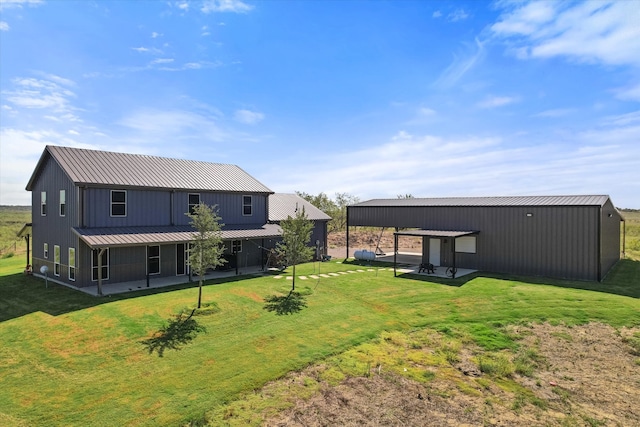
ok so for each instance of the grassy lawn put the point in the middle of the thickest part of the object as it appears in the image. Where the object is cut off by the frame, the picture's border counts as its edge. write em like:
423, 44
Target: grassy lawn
72, 359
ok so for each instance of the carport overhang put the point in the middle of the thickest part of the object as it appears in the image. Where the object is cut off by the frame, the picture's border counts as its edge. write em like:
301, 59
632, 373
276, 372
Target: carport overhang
430, 233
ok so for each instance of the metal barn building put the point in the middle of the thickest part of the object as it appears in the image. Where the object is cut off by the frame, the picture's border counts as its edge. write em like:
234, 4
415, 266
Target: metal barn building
569, 237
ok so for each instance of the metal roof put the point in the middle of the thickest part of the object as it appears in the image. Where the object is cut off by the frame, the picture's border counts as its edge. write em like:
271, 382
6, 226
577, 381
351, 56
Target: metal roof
142, 236
435, 233
283, 205
93, 167
586, 200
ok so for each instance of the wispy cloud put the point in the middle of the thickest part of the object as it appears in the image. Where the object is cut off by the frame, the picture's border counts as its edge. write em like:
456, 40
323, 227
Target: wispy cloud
4, 26
497, 101
462, 64
29, 92
234, 6
595, 31
248, 117
554, 113
630, 93
457, 15
155, 35
436, 14
12, 4
151, 50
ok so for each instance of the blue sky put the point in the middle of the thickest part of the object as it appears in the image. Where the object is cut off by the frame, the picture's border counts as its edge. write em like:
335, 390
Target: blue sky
371, 98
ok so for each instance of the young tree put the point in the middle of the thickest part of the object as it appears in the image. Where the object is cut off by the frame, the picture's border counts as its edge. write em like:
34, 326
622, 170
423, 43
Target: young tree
296, 235
206, 247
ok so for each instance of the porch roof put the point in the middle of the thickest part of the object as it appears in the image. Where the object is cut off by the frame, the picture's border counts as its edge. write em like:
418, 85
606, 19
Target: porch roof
435, 233
143, 236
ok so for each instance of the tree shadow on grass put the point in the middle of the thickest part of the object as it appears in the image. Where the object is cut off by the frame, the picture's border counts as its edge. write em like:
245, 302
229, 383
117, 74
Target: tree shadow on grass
174, 335
285, 304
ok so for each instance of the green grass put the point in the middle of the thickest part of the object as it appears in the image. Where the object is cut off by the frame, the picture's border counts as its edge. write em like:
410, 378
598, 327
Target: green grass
71, 359
12, 219
632, 224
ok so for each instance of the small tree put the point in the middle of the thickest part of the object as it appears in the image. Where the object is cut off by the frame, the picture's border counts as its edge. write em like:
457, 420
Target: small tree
206, 247
296, 235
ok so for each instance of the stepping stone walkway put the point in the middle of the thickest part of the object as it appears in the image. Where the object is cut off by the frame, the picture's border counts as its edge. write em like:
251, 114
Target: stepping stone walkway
332, 274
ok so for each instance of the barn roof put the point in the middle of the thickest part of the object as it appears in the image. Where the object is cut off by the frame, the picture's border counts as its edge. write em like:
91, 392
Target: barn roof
105, 168
283, 205
584, 200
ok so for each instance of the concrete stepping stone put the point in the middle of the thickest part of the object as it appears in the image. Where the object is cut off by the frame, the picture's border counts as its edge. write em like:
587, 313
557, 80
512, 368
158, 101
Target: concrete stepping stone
333, 274
302, 277
277, 277
324, 275
313, 276
342, 272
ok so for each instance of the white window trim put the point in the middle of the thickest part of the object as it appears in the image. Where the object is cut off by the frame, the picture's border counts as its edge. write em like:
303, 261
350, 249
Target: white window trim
159, 260
119, 203
72, 264
43, 203
63, 203
56, 260
46, 250
95, 266
245, 204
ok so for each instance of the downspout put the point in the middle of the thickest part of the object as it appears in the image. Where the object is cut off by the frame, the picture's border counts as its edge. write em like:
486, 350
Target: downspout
599, 251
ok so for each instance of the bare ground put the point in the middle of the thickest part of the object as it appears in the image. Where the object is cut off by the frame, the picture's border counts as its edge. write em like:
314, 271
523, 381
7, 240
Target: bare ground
587, 376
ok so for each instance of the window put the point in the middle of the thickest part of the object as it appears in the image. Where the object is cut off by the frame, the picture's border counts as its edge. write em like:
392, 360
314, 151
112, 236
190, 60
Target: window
46, 250
236, 246
247, 206
194, 200
118, 203
62, 202
43, 203
153, 259
466, 244
105, 264
72, 264
56, 260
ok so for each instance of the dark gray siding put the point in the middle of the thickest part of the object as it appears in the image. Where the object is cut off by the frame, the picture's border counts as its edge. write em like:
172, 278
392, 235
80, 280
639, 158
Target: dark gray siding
556, 241
53, 228
610, 237
319, 234
161, 208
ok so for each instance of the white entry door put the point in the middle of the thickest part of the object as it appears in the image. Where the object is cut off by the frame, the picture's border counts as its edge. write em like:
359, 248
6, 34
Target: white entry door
434, 251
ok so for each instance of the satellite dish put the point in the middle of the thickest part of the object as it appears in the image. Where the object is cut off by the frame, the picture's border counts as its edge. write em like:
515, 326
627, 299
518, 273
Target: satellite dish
44, 269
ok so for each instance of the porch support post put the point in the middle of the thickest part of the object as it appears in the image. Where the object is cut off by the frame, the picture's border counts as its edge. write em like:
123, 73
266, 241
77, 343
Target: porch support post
27, 240
453, 249
100, 253
347, 255
395, 252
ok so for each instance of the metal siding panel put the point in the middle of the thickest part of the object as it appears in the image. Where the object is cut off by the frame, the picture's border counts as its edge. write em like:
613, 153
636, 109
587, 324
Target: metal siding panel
610, 237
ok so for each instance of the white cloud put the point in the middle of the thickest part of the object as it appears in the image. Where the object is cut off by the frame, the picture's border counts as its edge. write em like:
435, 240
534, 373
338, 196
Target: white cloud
39, 93
248, 117
497, 101
593, 31
631, 93
143, 49
4, 26
594, 161
235, 6
155, 35
162, 61
457, 15
11, 4
436, 14
461, 65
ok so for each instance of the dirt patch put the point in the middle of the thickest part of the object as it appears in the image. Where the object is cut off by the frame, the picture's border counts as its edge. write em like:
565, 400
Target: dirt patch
370, 239
585, 376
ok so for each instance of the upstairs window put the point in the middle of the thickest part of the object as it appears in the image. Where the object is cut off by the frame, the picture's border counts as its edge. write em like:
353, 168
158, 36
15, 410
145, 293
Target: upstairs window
194, 200
63, 202
118, 203
247, 205
43, 203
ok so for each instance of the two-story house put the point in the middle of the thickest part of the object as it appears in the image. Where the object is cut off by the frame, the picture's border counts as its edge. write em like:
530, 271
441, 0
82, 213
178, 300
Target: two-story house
117, 217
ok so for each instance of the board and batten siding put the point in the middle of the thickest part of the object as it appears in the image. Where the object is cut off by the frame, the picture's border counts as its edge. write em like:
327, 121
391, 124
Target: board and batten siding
52, 228
556, 241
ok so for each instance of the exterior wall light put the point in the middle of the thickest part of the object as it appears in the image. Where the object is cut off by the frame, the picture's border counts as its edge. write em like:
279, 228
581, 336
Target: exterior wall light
529, 214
